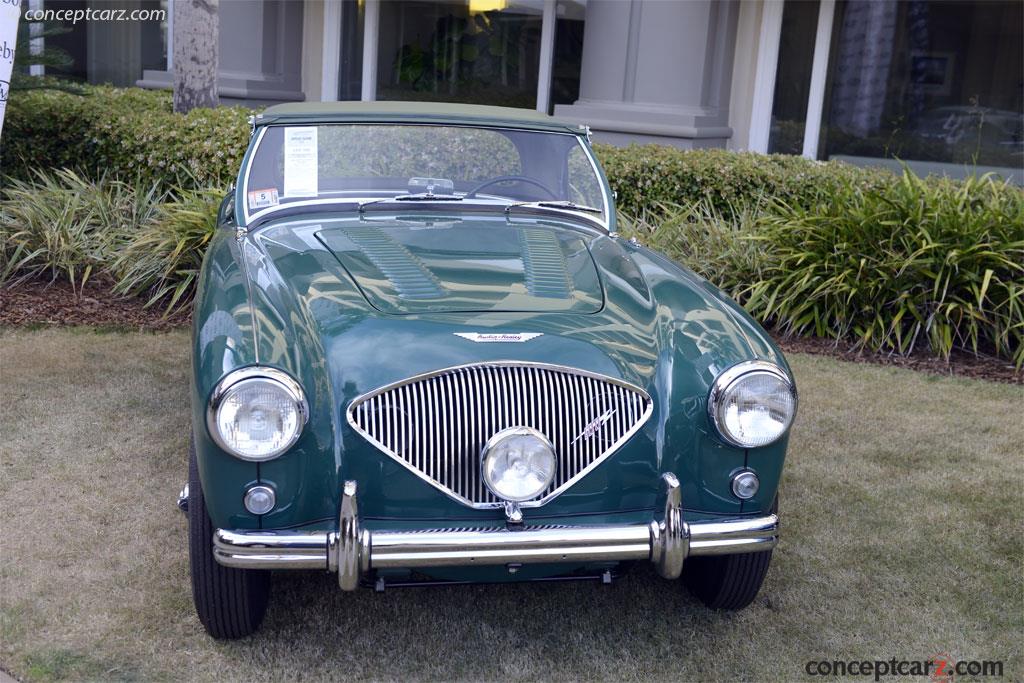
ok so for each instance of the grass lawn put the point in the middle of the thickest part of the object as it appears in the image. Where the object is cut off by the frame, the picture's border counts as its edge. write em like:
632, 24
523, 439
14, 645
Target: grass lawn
902, 537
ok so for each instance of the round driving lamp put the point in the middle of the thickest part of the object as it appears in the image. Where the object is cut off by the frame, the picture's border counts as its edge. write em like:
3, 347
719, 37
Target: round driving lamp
745, 485
518, 464
257, 413
259, 500
752, 404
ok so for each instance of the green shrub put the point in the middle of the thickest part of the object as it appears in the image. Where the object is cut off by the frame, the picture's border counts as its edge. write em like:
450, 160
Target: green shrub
62, 225
162, 259
915, 263
126, 132
645, 177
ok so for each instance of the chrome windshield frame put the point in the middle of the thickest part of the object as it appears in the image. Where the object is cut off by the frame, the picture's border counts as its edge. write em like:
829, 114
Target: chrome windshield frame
604, 220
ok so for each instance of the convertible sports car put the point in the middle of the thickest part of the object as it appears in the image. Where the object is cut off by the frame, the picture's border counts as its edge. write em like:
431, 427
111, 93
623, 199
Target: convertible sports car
423, 354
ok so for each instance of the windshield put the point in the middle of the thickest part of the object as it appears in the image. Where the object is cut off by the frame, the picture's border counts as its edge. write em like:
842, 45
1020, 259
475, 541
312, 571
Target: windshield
323, 164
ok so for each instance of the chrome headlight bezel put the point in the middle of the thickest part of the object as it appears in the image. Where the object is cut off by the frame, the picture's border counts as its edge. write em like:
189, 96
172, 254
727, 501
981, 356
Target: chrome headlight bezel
728, 379
232, 381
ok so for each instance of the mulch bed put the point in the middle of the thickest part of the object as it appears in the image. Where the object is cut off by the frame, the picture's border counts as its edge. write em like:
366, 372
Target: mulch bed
40, 304
961, 363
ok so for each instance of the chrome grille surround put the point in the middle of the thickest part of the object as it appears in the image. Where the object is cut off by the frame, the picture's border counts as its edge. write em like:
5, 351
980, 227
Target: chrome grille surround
437, 423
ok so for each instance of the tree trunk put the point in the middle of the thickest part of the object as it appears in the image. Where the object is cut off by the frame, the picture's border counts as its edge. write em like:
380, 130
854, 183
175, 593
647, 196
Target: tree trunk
195, 54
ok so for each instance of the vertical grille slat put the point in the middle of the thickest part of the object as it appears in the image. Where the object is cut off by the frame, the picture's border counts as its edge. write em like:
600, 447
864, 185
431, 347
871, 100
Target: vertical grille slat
438, 424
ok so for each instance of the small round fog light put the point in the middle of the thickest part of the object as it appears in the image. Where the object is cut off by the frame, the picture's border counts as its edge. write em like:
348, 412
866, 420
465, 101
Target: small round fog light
518, 464
259, 500
745, 485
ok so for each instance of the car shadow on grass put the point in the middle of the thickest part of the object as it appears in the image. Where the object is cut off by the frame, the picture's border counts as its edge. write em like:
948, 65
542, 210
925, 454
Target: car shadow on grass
515, 629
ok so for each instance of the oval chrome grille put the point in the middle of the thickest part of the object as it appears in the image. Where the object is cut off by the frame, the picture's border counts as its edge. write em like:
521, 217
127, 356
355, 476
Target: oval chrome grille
437, 424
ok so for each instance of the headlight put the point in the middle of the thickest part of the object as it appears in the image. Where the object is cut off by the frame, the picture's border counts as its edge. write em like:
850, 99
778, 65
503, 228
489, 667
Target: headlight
518, 464
752, 404
257, 413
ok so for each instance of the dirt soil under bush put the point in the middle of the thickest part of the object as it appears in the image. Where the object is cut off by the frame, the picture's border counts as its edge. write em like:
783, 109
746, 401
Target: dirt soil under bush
42, 304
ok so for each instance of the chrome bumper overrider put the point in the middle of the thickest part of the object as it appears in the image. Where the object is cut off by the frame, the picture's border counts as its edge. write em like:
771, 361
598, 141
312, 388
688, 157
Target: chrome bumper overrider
353, 551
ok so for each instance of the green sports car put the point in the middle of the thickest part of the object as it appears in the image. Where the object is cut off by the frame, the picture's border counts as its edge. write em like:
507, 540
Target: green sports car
422, 353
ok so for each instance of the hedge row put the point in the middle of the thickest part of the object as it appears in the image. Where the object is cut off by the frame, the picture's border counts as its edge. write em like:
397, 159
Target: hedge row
124, 132
134, 133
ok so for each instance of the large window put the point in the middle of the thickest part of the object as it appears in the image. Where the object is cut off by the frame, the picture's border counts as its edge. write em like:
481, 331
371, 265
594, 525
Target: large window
459, 51
793, 77
513, 53
936, 85
936, 82
105, 50
568, 58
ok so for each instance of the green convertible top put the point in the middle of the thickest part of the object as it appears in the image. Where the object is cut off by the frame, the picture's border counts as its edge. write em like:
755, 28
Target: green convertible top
414, 112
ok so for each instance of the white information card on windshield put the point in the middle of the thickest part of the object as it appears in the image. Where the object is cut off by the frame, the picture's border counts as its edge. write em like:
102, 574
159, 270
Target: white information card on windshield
300, 162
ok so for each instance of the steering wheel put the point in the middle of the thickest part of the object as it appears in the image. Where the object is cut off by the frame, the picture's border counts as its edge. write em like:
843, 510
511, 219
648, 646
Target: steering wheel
510, 178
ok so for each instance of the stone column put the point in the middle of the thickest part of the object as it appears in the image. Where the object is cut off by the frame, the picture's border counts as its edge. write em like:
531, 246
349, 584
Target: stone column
657, 70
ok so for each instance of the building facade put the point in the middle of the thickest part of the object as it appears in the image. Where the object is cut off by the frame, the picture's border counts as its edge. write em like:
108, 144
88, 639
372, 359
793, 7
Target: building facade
938, 84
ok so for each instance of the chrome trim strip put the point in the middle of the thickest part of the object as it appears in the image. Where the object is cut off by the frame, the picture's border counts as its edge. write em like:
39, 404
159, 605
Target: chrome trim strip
352, 552
607, 217
733, 373
481, 380
290, 385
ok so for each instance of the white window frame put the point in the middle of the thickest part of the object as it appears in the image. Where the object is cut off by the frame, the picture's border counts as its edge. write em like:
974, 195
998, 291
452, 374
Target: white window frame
766, 73
819, 74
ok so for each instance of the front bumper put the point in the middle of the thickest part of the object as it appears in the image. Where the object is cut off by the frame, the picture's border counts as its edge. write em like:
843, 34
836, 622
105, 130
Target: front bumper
353, 551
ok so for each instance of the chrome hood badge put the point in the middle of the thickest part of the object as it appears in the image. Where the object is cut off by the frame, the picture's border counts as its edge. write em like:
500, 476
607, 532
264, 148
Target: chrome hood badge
488, 337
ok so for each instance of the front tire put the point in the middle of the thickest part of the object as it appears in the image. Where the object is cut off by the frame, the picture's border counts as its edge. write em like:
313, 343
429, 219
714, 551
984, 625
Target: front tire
230, 602
727, 582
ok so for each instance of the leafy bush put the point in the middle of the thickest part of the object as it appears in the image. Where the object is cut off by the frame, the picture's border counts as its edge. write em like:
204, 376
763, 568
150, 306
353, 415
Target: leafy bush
649, 176
913, 263
64, 226
162, 260
127, 132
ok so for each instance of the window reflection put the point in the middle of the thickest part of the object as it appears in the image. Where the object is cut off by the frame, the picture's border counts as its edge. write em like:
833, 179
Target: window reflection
568, 58
936, 82
793, 77
474, 51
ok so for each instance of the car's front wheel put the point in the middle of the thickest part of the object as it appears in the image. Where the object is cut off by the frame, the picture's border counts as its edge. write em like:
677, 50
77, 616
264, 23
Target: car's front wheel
728, 582
230, 602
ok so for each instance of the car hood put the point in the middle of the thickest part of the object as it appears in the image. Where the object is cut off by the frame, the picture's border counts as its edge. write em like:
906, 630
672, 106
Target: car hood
466, 265
659, 328
442, 288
